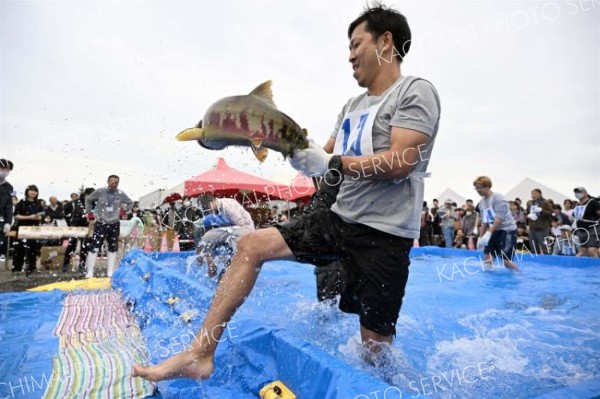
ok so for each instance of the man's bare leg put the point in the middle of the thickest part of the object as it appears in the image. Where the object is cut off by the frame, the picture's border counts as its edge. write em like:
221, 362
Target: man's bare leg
237, 283
510, 264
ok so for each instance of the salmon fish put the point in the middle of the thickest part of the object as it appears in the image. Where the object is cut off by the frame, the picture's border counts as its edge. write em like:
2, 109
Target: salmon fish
252, 121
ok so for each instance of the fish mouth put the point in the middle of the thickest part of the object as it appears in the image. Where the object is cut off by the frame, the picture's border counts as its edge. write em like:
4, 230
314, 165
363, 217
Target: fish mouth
190, 134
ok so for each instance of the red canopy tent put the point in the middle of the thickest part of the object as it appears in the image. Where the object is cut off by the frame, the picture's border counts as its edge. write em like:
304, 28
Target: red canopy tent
301, 187
224, 181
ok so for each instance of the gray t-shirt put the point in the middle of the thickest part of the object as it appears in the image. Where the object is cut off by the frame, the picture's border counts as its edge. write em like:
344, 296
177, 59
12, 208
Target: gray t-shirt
108, 204
386, 205
496, 206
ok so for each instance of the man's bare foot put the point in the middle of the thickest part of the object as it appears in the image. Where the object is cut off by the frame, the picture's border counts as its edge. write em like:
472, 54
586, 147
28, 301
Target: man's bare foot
187, 364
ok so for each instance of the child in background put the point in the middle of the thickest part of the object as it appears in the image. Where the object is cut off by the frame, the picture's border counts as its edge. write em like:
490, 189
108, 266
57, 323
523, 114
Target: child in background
459, 239
522, 240
564, 244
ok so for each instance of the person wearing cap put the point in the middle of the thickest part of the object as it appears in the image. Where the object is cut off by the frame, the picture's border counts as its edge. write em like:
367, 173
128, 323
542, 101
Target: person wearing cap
6, 205
498, 233
229, 213
28, 212
106, 214
587, 219
448, 217
564, 244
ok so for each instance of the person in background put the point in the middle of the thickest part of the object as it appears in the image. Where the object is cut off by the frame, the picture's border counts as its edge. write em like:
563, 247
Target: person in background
436, 228
426, 227
564, 244
105, 214
568, 206
519, 202
6, 206
135, 212
436, 203
587, 219
28, 212
460, 239
518, 214
448, 217
189, 215
523, 240
75, 213
239, 220
469, 222
54, 209
171, 218
68, 208
469, 203
498, 234
539, 215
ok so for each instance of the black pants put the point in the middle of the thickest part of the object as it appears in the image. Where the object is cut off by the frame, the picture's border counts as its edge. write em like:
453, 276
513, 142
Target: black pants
25, 251
102, 231
3, 241
331, 281
85, 245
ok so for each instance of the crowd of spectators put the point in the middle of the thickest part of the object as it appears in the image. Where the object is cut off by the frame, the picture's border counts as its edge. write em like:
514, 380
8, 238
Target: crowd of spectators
543, 226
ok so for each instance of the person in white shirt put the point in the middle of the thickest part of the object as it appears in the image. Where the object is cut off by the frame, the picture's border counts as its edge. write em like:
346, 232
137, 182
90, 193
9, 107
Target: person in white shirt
235, 222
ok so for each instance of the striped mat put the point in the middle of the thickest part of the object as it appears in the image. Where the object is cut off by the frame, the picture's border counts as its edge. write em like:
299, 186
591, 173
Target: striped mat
99, 342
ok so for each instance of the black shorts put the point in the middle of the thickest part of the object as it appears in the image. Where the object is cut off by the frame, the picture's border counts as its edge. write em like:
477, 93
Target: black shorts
502, 243
376, 264
103, 231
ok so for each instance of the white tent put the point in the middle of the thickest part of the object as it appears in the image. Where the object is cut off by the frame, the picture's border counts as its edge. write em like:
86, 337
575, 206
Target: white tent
523, 191
452, 195
155, 198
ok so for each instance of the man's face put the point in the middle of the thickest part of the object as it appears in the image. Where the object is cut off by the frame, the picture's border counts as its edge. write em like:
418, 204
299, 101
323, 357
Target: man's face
482, 190
535, 195
113, 183
53, 200
74, 197
363, 55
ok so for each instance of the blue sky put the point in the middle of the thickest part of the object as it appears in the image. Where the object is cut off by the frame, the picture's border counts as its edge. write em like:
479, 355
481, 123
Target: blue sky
90, 88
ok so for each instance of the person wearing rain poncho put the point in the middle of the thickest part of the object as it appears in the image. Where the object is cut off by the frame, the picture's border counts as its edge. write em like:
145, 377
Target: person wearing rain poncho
225, 221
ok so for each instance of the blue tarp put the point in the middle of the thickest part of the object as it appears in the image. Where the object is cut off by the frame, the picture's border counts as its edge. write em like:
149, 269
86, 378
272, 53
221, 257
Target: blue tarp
252, 354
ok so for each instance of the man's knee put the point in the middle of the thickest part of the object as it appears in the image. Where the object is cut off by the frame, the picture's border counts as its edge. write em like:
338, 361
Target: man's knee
263, 244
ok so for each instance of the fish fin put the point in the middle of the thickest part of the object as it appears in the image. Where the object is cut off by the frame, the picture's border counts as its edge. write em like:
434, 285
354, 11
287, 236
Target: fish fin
259, 152
191, 134
264, 91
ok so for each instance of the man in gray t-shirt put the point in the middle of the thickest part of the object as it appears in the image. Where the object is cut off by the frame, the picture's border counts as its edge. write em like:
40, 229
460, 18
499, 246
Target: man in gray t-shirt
380, 149
498, 233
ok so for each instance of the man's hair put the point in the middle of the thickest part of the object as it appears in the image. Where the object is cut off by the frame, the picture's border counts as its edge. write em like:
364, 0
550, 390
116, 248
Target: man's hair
380, 19
113, 176
483, 181
537, 190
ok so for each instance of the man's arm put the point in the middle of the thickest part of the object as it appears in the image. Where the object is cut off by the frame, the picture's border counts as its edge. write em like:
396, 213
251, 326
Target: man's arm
329, 146
90, 199
406, 150
127, 201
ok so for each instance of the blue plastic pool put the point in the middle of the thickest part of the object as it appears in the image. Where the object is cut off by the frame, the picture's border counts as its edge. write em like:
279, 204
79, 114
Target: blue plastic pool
464, 332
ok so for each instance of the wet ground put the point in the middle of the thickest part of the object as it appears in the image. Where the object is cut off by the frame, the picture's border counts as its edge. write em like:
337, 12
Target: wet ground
13, 282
